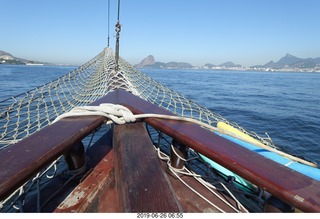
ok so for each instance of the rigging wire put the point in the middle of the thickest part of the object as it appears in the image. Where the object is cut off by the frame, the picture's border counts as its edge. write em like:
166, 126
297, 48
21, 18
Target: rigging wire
108, 23
118, 29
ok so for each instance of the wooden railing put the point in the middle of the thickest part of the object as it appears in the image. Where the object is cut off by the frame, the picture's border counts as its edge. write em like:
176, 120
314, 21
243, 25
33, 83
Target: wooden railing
21, 161
289, 186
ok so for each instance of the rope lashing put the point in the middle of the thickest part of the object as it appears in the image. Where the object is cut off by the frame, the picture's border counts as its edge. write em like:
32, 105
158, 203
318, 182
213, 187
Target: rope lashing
186, 172
120, 114
117, 113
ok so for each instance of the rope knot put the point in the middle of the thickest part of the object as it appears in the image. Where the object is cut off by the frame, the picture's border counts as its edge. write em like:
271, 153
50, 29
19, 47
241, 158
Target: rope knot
118, 113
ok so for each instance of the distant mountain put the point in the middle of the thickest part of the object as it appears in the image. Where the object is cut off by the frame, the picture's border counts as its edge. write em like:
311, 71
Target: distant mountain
178, 65
208, 65
229, 65
7, 58
290, 61
149, 62
223, 65
5, 55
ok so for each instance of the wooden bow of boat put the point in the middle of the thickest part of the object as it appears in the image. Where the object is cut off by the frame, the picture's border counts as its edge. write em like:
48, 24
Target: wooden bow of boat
130, 176
287, 185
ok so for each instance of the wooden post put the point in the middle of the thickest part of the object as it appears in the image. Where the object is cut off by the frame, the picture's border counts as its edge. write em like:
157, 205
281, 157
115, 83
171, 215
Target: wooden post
75, 157
141, 184
178, 154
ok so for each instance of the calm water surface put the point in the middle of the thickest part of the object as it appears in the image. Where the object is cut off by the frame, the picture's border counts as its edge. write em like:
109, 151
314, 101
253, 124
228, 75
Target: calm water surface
17, 79
285, 105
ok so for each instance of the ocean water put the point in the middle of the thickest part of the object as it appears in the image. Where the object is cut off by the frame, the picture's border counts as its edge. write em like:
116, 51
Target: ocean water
284, 105
17, 79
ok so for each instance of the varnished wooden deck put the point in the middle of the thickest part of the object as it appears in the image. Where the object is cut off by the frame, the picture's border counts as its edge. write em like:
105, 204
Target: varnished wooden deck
131, 178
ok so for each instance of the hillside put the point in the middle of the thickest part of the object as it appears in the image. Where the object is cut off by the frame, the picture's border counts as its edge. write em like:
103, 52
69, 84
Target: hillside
149, 62
7, 58
286, 63
290, 61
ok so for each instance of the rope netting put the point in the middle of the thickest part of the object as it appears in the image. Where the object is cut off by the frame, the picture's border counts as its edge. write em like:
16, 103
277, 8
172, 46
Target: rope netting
27, 113
24, 114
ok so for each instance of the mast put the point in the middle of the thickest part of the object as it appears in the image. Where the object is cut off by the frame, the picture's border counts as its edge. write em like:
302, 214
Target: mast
108, 23
118, 29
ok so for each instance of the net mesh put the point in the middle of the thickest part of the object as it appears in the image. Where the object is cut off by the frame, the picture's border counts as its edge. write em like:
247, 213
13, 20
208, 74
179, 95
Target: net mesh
24, 114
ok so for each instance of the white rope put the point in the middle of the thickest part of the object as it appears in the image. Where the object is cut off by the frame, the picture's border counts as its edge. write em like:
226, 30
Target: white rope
120, 114
19, 190
210, 187
22, 191
117, 113
174, 171
234, 198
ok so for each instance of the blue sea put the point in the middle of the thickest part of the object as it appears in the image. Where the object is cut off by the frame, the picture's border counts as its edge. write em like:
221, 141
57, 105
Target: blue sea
284, 105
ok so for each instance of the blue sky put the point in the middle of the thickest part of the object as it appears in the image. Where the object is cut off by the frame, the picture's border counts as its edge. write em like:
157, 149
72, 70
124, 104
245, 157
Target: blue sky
247, 32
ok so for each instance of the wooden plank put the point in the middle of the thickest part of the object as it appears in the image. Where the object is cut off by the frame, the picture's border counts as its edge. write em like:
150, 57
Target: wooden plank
80, 199
100, 165
284, 183
94, 176
107, 201
24, 159
141, 184
192, 203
